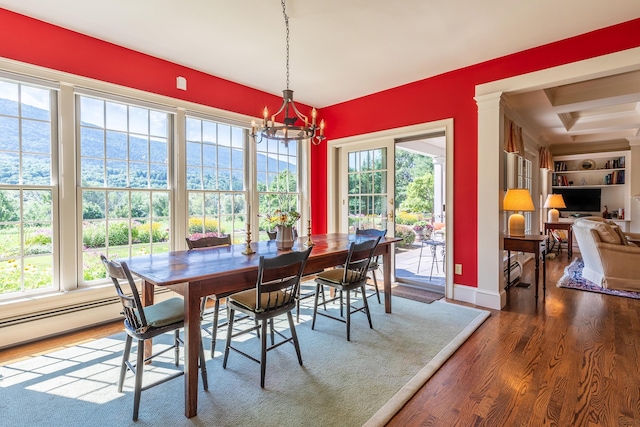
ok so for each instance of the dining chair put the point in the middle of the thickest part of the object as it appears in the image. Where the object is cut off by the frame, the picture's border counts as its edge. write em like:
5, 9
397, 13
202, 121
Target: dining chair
144, 323
209, 242
375, 263
275, 294
352, 276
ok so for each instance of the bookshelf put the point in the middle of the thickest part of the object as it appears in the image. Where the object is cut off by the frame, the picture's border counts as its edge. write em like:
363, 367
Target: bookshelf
609, 171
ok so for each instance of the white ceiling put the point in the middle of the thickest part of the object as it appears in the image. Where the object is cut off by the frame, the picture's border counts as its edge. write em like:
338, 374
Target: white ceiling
339, 49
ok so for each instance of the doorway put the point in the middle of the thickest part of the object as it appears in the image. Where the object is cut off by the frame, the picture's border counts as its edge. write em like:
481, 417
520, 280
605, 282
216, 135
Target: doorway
420, 210
366, 170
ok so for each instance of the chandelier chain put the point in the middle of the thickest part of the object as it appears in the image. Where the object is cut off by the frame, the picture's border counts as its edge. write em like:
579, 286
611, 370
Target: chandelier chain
286, 23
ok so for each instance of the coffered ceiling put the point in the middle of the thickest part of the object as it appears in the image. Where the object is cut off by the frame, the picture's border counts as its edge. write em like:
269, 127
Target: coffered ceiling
604, 111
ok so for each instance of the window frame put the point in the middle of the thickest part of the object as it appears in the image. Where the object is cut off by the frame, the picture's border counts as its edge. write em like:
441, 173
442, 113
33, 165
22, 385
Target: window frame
52, 186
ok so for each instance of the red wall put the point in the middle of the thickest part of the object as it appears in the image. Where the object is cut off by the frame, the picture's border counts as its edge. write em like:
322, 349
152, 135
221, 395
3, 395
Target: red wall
448, 95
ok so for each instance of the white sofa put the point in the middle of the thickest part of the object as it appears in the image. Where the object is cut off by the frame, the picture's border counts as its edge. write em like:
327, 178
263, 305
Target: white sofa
610, 260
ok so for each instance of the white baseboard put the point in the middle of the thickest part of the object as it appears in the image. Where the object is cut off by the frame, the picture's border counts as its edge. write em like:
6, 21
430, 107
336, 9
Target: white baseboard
477, 297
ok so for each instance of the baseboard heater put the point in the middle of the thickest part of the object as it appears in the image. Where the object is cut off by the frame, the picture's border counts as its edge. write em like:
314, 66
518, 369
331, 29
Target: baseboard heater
45, 314
515, 273
33, 326
57, 312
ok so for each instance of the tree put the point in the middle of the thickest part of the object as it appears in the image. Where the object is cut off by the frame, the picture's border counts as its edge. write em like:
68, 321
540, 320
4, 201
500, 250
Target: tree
419, 197
8, 208
408, 166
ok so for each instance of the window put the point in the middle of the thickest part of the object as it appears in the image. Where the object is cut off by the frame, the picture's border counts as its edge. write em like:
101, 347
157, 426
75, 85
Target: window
525, 180
109, 183
277, 179
27, 194
367, 177
124, 173
216, 187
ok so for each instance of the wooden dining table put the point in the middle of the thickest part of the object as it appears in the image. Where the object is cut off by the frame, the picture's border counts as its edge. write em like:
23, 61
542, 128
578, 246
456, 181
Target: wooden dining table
195, 274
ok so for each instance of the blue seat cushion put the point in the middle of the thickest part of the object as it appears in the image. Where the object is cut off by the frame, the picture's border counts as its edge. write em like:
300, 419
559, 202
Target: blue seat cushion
165, 313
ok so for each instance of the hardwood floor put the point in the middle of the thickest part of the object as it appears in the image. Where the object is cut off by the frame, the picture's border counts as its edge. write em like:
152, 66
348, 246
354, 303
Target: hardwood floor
570, 361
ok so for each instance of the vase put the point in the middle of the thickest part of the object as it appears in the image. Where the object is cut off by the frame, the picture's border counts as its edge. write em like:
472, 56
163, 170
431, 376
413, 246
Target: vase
284, 237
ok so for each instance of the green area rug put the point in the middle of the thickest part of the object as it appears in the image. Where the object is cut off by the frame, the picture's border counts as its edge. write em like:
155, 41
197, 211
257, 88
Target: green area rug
365, 381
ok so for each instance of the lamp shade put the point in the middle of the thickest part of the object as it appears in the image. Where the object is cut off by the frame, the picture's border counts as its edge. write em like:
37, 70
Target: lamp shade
517, 199
553, 202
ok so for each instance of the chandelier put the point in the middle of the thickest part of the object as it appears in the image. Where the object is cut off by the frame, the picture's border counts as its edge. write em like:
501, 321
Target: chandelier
295, 125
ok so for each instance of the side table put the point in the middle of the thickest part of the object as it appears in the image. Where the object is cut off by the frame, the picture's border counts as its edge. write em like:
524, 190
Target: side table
530, 243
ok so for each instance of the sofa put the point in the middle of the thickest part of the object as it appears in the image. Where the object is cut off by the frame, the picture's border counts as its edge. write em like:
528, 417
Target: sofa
610, 259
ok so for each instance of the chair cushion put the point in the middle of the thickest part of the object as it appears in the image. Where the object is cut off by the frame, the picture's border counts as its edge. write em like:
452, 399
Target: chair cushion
623, 238
165, 313
248, 298
608, 233
336, 275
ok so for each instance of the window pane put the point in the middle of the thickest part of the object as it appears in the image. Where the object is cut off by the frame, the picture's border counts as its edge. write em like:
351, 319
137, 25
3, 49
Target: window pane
138, 148
92, 172
116, 145
92, 142
9, 135
138, 120
118, 204
116, 116
116, 174
91, 112
9, 92
9, 168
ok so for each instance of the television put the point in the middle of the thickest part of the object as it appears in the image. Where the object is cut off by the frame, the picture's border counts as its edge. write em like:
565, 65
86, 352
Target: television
580, 199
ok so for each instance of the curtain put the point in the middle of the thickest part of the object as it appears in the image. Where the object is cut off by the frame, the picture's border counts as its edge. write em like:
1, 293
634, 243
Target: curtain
513, 142
544, 156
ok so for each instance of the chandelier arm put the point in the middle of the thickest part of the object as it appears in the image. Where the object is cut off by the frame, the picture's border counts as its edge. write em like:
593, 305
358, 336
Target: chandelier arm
298, 113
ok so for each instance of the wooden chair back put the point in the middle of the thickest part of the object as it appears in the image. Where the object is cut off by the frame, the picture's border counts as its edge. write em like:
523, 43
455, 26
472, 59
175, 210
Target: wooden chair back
208, 242
132, 305
278, 281
358, 260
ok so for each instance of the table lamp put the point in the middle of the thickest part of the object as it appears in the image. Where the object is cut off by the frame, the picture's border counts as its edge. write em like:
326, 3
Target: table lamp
554, 201
518, 200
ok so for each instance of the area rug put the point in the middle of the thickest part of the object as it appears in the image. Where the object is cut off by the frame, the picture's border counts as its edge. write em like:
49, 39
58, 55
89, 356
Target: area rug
364, 381
415, 294
573, 279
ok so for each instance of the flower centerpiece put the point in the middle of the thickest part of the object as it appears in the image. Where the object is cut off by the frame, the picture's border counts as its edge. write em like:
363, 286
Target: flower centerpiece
283, 222
281, 217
